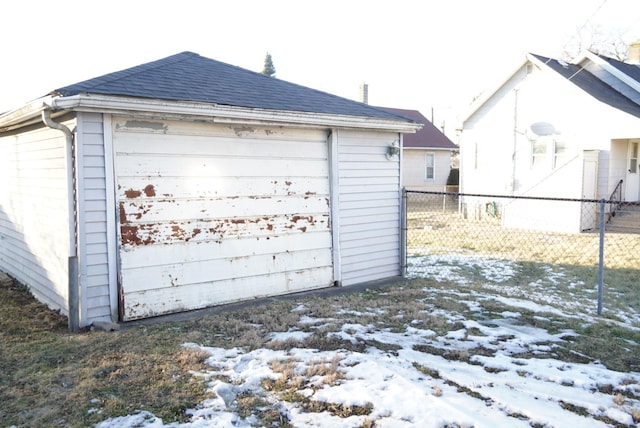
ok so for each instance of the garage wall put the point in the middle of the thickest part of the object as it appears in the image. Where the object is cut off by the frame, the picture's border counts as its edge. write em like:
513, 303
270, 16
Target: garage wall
34, 231
369, 208
210, 214
95, 304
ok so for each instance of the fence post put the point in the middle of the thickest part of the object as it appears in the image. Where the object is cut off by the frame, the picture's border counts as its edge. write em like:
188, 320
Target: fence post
444, 200
601, 259
403, 233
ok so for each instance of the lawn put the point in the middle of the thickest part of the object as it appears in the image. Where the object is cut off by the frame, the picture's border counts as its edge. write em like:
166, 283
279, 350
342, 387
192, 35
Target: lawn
445, 232
440, 242
473, 342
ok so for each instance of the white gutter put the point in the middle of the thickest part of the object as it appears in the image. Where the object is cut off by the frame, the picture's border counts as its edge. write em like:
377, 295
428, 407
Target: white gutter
213, 113
25, 115
224, 114
73, 282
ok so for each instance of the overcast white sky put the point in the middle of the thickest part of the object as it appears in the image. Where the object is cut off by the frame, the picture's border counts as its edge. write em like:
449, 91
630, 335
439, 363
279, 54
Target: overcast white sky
414, 54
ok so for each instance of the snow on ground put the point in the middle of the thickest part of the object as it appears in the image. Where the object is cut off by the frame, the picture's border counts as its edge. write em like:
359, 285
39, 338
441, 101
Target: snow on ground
551, 288
406, 386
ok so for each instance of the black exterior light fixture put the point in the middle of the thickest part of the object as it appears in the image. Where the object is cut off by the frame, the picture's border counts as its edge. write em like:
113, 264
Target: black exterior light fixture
393, 150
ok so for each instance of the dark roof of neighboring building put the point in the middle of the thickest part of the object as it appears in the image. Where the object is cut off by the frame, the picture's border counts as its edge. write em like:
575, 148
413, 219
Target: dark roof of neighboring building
427, 137
188, 76
631, 70
592, 85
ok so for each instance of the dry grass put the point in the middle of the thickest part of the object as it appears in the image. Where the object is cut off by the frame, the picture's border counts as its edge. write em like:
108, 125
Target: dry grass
314, 375
443, 237
445, 232
49, 377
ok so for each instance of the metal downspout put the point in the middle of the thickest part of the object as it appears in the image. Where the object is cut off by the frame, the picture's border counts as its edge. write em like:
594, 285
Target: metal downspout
74, 295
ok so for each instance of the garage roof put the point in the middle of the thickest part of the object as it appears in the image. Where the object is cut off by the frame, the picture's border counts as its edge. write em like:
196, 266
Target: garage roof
188, 76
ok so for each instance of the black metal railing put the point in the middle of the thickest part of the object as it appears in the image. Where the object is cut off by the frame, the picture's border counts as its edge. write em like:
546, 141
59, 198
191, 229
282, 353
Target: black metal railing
616, 195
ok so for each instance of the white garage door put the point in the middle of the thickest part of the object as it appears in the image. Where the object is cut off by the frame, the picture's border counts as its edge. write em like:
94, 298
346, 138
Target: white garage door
212, 214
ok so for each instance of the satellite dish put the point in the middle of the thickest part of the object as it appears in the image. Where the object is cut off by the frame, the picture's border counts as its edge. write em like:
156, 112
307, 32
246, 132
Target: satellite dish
542, 129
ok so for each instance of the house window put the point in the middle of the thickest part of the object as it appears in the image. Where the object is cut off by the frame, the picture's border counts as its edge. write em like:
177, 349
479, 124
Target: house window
538, 153
633, 158
559, 153
430, 170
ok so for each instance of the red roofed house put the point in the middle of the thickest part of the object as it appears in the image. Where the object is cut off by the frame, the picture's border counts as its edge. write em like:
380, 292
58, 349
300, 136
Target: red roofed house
426, 154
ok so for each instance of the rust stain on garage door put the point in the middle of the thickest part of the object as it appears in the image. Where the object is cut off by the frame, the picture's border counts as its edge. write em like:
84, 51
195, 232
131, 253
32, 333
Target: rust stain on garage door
150, 191
132, 194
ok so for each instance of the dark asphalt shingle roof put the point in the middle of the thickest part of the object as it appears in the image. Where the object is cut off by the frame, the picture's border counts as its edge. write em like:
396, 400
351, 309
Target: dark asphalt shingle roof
188, 76
594, 86
631, 70
427, 137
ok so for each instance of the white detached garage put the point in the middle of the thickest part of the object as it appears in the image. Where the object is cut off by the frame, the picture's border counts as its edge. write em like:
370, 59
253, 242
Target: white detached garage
186, 183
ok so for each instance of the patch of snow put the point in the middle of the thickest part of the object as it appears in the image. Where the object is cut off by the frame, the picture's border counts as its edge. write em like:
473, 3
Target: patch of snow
476, 375
297, 336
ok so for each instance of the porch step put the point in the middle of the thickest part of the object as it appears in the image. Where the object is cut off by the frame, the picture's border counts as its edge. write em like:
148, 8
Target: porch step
625, 220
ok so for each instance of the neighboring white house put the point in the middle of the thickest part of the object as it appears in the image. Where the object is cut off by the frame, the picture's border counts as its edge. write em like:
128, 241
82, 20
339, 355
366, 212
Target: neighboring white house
186, 182
426, 155
555, 130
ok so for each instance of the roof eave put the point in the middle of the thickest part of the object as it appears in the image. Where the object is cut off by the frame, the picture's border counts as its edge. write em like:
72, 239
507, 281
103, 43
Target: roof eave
224, 113
448, 149
487, 95
23, 116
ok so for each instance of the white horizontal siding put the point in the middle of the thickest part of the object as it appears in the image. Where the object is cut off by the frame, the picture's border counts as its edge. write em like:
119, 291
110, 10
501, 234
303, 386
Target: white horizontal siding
369, 206
414, 174
188, 297
211, 214
34, 241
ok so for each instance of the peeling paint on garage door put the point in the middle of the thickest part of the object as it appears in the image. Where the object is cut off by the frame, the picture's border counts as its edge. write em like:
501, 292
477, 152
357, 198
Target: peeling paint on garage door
211, 214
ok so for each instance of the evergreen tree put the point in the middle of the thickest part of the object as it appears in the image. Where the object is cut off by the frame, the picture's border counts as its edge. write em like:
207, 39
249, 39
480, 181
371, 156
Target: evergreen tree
269, 68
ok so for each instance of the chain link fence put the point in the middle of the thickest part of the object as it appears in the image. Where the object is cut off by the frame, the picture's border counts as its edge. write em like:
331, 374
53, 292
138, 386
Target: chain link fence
590, 245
